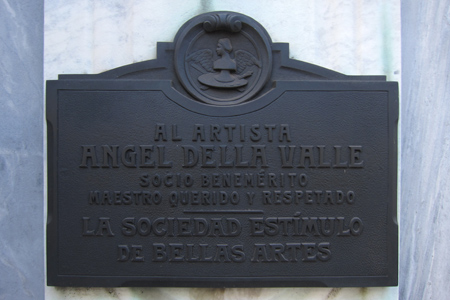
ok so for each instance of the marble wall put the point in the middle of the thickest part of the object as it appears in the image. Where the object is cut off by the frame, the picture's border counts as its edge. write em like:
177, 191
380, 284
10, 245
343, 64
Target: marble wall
425, 172
353, 37
21, 150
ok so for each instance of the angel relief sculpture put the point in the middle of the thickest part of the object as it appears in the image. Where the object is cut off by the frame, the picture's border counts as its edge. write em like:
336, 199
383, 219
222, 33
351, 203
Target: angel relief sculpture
226, 72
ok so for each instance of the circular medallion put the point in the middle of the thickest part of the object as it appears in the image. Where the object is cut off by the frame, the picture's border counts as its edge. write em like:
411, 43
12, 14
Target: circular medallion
223, 58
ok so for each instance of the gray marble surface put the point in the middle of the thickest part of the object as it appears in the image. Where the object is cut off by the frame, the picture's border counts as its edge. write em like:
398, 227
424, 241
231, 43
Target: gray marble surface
21, 154
425, 173
354, 38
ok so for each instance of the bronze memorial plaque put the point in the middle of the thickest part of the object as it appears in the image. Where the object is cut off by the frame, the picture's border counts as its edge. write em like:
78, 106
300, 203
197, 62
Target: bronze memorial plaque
222, 163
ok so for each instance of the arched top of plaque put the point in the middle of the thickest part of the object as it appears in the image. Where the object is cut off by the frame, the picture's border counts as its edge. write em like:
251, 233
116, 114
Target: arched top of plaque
222, 64
223, 58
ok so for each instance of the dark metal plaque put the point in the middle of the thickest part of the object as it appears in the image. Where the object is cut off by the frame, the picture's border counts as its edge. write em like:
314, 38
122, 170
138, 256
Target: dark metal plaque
222, 163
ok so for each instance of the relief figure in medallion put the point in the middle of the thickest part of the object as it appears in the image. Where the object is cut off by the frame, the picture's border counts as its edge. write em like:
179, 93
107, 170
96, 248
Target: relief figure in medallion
226, 71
